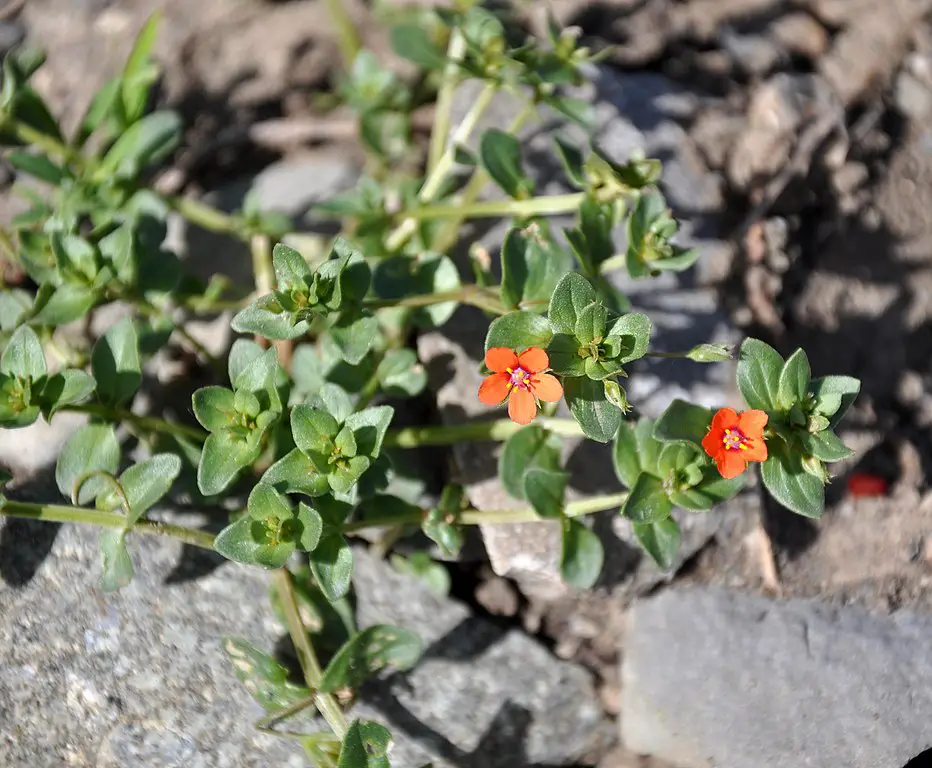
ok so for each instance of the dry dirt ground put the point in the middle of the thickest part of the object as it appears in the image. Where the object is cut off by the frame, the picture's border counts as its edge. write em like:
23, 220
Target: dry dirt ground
815, 114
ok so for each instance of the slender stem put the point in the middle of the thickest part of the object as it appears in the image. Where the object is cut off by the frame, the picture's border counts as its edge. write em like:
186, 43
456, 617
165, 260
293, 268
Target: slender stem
147, 423
491, 516
501, 429
206, 216
537, 206
325, 702
468, 294
56, 513
347, 38
262, 269
266, 724
441, 170
480, 177
456, 48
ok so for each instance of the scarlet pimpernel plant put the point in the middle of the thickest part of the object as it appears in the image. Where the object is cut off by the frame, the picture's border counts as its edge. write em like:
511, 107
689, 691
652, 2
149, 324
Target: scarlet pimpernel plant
295, 431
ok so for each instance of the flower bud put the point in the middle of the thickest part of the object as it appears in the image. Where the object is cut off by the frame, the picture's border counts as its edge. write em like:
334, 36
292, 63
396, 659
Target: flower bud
710, 353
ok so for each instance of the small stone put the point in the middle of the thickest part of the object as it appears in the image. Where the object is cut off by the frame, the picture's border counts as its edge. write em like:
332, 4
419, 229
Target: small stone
497, 596
801, 34
912, 95
482, 694
711, 677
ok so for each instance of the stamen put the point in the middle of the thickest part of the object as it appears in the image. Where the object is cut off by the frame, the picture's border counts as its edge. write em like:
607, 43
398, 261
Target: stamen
735, 440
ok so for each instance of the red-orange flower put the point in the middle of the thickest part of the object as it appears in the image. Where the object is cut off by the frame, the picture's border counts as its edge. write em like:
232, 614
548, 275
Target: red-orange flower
520, 378
734, 439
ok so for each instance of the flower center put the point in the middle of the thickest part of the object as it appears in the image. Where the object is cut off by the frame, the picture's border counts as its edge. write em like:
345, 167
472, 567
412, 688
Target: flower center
519, 377
735, 440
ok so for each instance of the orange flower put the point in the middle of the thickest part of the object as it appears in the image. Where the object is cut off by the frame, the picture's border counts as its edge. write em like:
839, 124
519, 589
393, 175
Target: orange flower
520, 379
734, 439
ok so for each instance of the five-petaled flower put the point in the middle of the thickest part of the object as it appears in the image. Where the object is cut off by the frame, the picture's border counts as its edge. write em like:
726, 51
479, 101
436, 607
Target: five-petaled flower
521, 379
734, 439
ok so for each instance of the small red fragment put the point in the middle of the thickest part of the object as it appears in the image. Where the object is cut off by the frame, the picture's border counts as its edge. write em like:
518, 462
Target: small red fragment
521, 380
864, 485
734, 439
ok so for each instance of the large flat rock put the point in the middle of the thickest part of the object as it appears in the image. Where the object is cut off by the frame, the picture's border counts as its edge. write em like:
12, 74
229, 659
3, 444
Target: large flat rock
716, 678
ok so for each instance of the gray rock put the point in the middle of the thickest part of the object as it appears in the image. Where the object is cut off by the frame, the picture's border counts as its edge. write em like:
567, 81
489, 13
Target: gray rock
28, 451
711, 677
483, 695
133, 679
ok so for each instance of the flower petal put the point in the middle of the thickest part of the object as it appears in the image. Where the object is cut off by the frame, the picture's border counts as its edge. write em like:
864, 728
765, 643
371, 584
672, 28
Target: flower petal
534, 360
756, 450
499, 359
731, 463
494, 388
725, 418
752, 423
712, 442
547, 387
522, 407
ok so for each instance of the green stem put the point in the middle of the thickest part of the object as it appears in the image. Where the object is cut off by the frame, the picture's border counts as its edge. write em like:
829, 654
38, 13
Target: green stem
474, 295
491, 516
501, 429
347, 38
146, 423
206, 216
441, 129
56, 513
262, 268
441, 170
537, 206
48, 144
325, 702
618, 261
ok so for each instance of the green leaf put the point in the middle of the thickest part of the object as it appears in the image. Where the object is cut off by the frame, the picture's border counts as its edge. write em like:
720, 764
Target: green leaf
368, 653
683, 422
636, 326
312, 527
236, 542
151, 139
214, 407
297, 473
259, 375
266, 317
14, 306
518, 331
335, 401
345, 473
291, 270
354, 336
598, 417
143, 485
826, 446
710, 353
532, 265
711, 490
400, 374
546, 490
264, 678
243, 353
573, 161
571, 296
500, 155
115, 363
529, 448
369, 427
139, 74
402, 276
307, 370
440, 524
63, 304
92, 448
590, 325
790, 485
365, 745
759, 367
415, 44
625, 456
223, 458
432, 574
105, 101
834, 395
647, 502
23, 356
564, 355
313, 429
616, 395
332, 566
793, 383
64, 388
660, 540
582, 556
39, 166
116, 567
